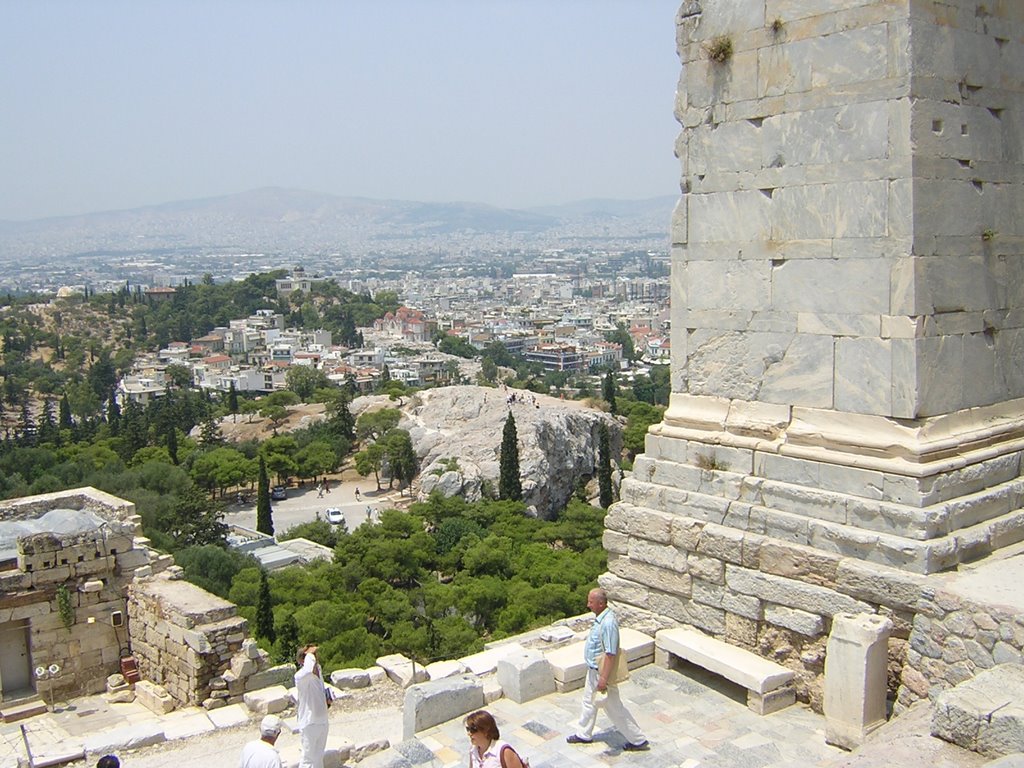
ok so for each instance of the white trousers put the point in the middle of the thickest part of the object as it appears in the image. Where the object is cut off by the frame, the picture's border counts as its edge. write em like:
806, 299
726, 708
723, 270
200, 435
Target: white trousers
620, 717
314, 742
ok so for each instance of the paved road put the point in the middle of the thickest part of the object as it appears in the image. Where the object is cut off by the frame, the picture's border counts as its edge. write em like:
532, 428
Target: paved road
304, 504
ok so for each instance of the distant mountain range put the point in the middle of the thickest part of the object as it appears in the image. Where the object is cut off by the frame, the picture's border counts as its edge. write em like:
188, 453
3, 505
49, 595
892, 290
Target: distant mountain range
294, 220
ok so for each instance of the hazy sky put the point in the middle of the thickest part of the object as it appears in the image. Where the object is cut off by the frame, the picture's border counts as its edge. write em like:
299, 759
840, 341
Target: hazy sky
107, 105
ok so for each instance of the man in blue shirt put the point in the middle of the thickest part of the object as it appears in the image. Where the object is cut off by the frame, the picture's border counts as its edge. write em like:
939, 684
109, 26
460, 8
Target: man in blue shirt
601, 653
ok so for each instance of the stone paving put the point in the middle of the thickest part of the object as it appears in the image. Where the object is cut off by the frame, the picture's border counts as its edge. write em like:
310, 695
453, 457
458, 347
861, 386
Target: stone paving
691, 720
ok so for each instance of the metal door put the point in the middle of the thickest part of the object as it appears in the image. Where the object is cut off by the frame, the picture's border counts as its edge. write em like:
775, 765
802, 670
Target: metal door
15, 664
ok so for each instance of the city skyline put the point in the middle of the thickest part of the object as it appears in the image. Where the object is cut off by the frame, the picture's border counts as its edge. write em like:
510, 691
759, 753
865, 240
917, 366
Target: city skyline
112, 106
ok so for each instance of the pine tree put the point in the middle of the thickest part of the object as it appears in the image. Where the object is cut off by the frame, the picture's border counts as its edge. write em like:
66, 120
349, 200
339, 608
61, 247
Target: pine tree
608, 390
265, 610
604, 466
264, 518
510, 487
209, 434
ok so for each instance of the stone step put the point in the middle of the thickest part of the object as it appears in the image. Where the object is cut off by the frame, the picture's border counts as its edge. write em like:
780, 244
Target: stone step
22, 709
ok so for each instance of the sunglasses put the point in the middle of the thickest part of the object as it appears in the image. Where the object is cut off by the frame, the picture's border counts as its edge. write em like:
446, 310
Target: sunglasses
470, 729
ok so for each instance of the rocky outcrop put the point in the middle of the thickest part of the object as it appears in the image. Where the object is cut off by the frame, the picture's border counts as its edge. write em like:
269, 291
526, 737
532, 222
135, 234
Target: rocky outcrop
456, 432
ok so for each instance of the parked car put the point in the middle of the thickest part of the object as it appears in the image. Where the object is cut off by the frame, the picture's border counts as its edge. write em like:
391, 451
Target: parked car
334, 515
278, 492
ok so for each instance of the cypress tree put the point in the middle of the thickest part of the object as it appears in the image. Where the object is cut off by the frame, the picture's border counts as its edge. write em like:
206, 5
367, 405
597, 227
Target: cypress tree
510, 487
172, 444
604, 466
233, 399
113, 413
264, 520
64, 418
264, 610
608, 389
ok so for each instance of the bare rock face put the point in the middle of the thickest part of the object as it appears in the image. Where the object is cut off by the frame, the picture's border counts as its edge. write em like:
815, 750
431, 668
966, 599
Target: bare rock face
456, 432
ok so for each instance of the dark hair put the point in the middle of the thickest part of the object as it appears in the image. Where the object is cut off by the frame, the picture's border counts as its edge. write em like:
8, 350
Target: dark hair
481, 721
300, 655
108, 761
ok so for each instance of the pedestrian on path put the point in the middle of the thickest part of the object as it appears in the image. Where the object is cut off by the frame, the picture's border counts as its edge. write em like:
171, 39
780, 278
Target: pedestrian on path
312, 708
601, 652
327, 485
358, 495
487, 750
108, 761
260, 753
320, 490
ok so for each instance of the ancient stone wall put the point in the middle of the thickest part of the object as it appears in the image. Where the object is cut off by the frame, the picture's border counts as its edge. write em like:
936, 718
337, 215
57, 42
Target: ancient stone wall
952, 640
849, 236
183, 637
847, 408
82, 571
768, 595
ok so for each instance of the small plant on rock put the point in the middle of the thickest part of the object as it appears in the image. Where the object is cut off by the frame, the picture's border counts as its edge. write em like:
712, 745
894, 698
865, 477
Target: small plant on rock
988, 234
719, 50
65, 609
776, 25
710, 462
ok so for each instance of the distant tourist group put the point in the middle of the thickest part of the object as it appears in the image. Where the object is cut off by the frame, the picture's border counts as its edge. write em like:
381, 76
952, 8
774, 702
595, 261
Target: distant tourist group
606, 668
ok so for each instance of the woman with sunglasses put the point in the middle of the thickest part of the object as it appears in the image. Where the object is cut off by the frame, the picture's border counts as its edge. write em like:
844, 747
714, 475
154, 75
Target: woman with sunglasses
488, 750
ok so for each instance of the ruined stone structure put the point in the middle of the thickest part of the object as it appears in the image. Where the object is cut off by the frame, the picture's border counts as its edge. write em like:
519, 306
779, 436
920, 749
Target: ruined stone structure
80, 590
195, 645
62, 590
847, 413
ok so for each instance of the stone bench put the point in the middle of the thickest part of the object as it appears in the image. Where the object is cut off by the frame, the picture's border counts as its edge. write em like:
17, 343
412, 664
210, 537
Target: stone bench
769, 685
570, 669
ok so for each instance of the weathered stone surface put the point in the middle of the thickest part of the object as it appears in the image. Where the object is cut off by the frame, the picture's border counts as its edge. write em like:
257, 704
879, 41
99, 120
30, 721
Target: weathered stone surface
229, 716
793, 594
402, 670
525, 675
153, 697
803, 622
855, 678
350, 678
485, 662
268, 701
984, 714
441, 669
554, 441
125, 738
437, 701
282, 674
878, 584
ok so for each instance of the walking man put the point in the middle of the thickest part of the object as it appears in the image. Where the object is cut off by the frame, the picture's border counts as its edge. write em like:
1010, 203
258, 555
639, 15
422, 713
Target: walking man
312, 708
260, 753
601, 653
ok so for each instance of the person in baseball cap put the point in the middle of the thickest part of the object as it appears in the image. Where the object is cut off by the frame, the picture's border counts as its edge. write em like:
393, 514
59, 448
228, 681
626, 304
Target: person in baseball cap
260, 753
